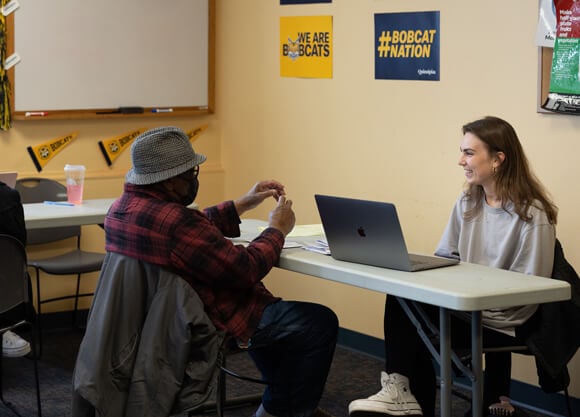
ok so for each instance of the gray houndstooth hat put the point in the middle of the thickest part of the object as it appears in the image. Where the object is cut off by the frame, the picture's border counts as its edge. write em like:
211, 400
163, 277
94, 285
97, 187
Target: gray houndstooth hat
159, 154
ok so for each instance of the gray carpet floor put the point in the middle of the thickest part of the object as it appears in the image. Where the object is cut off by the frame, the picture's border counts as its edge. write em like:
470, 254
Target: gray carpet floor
353, 375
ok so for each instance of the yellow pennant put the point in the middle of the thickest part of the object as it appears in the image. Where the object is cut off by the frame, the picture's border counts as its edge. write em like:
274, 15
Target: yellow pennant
44, 152
194, 134
112, 148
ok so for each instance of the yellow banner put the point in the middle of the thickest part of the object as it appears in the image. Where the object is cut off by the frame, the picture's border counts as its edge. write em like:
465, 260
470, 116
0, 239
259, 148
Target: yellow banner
112, 148
5, 116
44, 152
306, 46
194, 134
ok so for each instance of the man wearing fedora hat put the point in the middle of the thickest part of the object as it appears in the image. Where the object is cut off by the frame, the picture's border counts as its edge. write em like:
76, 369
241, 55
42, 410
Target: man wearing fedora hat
292, 342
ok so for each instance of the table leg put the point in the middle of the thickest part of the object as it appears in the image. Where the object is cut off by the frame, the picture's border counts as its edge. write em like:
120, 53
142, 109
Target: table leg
476, 364
445, 352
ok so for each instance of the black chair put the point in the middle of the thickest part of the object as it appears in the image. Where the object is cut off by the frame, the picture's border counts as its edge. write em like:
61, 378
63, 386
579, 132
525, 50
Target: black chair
504, 407
147, 332
154, 305
72, 262
552, 336
462, 359
222, 402
14, 292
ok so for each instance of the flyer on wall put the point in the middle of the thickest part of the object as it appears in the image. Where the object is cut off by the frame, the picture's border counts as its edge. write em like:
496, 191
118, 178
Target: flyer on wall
564, 95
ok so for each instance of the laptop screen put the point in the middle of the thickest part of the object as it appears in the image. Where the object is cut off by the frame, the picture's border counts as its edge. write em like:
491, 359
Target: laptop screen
8, 178
369, 232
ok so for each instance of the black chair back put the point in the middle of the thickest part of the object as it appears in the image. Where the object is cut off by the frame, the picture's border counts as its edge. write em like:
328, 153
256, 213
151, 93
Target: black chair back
13, 292
13, 278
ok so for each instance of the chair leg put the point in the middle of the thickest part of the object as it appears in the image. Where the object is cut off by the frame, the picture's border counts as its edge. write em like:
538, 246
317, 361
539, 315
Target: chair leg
1, 373
7, 404
74, 315
2, 399
568, 402
38, 313
221, 401
35, 363
221, 388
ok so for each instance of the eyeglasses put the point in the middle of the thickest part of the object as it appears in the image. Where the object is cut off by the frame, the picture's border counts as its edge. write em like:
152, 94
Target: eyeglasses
190, 174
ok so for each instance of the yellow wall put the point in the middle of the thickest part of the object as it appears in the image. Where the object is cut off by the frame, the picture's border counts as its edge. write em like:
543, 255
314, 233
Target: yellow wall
388, 140
351, 135
101, 181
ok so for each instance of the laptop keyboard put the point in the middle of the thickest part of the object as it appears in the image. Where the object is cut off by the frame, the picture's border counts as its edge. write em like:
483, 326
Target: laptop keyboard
420, 264
425, 262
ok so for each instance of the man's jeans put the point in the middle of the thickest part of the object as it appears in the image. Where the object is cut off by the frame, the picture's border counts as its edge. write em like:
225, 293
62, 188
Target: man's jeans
293, 348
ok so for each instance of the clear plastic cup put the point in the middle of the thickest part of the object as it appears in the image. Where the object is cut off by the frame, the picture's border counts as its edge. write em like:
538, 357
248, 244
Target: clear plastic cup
75, 179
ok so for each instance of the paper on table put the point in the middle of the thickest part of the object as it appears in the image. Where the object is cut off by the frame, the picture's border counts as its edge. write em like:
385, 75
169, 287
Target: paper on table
320, 246
304, 230
324, 251
246, 238
288, 244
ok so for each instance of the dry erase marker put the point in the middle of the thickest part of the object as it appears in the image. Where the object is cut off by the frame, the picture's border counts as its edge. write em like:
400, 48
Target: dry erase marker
58, 203
161, 110
36, 113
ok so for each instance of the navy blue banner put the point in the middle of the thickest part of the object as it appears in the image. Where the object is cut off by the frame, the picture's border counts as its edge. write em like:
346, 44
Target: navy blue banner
303, 1
407, 46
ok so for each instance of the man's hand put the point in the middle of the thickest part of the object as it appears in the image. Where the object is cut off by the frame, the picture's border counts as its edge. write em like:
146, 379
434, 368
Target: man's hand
257, 194
282, 217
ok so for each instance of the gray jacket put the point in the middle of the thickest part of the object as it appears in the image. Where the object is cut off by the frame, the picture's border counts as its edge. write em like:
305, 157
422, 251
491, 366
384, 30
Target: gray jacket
149, 348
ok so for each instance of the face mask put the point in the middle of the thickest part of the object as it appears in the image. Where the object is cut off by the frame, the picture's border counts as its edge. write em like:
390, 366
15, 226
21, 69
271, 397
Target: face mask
189, 197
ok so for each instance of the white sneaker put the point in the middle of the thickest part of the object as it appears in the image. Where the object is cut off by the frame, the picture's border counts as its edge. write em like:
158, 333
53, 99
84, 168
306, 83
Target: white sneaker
394, 399
14, 346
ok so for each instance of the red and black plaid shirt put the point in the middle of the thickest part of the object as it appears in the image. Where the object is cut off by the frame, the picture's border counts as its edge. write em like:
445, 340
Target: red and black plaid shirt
143, 224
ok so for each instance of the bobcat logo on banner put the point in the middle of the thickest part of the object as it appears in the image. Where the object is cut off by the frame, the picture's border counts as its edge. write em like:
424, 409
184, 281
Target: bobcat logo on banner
306, 46
42, 153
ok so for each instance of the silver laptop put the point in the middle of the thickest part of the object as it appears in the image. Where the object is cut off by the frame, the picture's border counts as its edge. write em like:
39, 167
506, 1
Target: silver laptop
369, 232
8, 178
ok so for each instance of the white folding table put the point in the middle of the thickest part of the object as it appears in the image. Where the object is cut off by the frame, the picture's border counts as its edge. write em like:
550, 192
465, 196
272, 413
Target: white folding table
464, 287
42, 215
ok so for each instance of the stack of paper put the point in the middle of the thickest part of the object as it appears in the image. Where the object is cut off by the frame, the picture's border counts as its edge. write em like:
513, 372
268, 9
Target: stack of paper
320, 246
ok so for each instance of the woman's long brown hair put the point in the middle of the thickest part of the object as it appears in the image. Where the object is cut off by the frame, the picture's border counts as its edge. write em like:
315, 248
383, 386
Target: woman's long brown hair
514, 179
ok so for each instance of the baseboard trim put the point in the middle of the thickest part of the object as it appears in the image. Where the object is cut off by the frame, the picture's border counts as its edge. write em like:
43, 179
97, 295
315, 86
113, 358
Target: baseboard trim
523, 394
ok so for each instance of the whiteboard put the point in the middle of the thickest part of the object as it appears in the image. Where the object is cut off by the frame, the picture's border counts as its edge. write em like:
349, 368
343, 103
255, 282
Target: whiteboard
78, 54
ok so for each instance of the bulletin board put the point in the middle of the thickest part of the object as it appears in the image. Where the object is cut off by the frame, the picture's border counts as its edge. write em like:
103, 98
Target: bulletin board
545, 68
83, 59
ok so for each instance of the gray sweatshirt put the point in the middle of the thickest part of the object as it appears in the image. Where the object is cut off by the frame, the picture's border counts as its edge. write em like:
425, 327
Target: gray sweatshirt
499, 238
